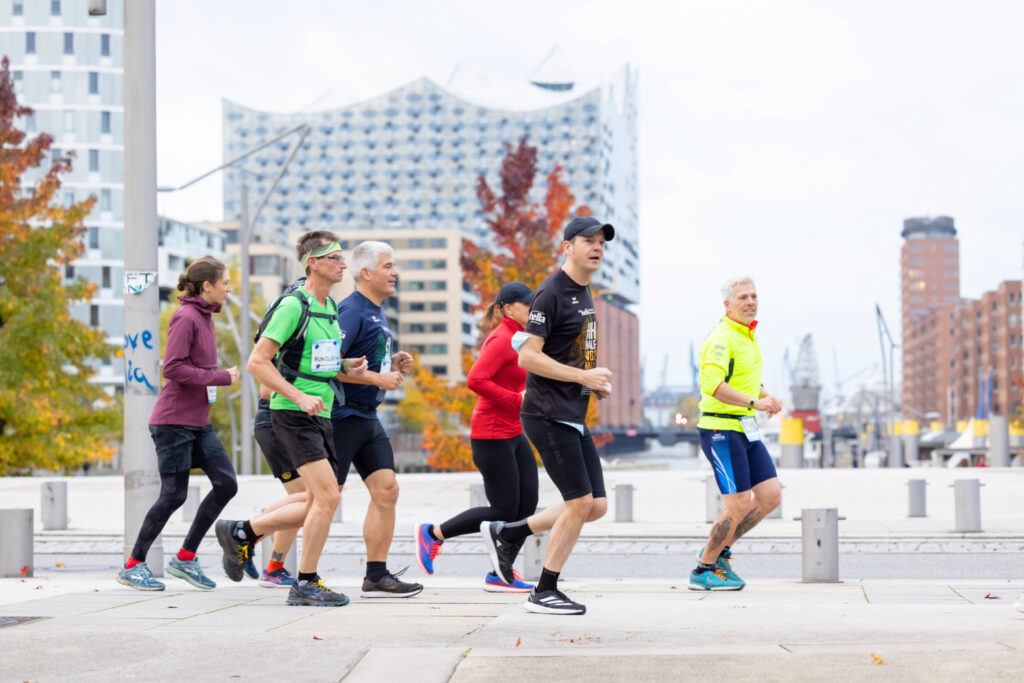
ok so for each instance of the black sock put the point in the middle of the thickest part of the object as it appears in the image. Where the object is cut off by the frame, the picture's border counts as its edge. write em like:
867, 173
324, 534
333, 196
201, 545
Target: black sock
375, 571
701, 567
726, 553
515, 533
433, 535
243, 532
311, 577
548, 580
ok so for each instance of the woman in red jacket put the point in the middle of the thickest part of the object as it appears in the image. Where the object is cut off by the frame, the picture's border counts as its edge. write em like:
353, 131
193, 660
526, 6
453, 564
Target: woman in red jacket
180, 427
500, 449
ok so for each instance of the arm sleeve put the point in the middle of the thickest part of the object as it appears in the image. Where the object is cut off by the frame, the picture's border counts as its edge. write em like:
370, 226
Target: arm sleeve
350, 321
178, 367
714, 363
542, 314
495, 354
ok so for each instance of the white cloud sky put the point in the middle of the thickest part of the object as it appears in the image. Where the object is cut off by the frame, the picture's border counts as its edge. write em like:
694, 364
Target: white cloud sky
786, 140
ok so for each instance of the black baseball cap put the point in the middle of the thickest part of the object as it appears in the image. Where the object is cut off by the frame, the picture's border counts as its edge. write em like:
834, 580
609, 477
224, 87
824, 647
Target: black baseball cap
587, 226
513, 292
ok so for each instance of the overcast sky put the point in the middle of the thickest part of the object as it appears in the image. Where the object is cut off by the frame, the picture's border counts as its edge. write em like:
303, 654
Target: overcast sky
785, 140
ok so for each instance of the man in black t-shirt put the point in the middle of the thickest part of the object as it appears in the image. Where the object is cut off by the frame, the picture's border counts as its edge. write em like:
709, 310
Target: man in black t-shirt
560, 353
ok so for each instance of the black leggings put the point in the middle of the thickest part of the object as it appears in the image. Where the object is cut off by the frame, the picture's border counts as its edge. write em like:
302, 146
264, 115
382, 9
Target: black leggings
173, 491
510, 482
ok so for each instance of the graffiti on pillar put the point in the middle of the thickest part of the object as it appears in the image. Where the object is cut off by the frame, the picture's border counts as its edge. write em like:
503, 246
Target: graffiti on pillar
135, 376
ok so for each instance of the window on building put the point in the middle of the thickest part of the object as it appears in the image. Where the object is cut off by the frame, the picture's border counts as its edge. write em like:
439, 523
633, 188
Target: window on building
439, 370
105, 45
94, 160
413, 286
466, 308
19, 82
69, 122
30, 42
69, 43
30, 123
438, 263
265, 264
94, 83
467, 328
94, 238
438, 327
437, 348
416, 307
104, 200
54, 8
438, 242
414, 264
105, 122
69, 197
106, 277
416, 328
18, 8
415, 243
69, 272
437, 285
439, 306
94, 315
55, 82
55, 154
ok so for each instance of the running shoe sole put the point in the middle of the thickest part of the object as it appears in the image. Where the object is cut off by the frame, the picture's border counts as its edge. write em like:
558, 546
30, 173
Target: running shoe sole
416, 539
387, 594
492, 549
188, 579
490, 588
315, 603
695, 587
271, 584
541, 609
125, 582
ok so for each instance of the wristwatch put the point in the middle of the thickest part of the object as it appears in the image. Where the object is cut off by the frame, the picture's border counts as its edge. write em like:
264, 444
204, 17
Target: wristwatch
751, 403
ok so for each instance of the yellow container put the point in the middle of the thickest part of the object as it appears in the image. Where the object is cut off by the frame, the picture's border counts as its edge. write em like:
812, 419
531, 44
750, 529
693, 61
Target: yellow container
961, 426
792, 432
981, 427
936, 426
911, 427
1016, 428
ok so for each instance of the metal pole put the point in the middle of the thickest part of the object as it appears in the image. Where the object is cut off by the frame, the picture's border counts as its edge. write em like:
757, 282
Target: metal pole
141, 323
244, 234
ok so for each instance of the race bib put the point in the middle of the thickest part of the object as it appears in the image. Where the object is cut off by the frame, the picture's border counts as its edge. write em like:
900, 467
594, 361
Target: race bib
211, 394
750, 429
326, 356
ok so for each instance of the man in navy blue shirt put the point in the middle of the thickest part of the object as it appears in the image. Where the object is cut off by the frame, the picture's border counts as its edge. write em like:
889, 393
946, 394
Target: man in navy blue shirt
359, 437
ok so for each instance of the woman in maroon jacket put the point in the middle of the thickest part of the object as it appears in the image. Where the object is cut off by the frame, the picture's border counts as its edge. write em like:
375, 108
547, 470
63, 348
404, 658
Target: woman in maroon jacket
180, 427
500, 449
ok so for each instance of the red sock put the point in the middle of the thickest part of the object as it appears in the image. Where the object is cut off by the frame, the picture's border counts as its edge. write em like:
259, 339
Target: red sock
274, 566
186, 556
132, 562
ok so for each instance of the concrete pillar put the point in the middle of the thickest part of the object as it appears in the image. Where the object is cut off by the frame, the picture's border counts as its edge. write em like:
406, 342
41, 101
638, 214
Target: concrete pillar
917, 498
1016, 434
713, 502
791, 438
967, 494
911, 441
54, 505
535, 549
998, 441
894, 449
820, 540
16, 535
623, 502
477, 496
980, 433
267, 550
191, 506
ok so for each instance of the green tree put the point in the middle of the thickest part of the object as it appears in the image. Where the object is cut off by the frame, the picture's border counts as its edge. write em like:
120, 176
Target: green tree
51, 415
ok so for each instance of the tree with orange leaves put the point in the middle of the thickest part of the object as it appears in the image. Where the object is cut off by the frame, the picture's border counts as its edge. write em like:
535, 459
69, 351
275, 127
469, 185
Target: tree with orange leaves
51, 416
525, 238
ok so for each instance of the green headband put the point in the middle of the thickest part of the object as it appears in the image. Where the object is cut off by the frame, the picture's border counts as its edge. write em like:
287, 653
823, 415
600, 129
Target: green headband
322, 250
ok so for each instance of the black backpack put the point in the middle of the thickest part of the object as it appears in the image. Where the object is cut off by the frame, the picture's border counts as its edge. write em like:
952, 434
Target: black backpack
289, 356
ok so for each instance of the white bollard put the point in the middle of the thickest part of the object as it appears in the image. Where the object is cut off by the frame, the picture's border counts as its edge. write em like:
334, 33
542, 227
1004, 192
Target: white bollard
267, 550
998, 441
967, 495
713, 502
477, 496
191, 505
624, 502
16, 536
917, 498
535, 549
820, 544
54, 506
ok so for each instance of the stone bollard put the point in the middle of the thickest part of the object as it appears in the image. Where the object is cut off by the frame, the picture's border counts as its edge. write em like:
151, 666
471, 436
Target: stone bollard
820, 535
267, 550
16, 536
624, 502
191, 505
777, 512
477, 496
713, 502
998, 441
967, 493
54, 506
917, 498
535, 549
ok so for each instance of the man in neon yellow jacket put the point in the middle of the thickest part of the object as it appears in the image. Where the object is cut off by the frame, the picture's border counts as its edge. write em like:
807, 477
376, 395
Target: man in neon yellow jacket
730, 395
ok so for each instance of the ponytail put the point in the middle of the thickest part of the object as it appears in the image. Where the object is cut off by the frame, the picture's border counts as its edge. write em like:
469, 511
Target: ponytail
204, 269
492, 316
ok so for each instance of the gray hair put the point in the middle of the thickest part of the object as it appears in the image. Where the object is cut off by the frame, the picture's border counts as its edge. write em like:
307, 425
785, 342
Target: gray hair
367, 255
729, 288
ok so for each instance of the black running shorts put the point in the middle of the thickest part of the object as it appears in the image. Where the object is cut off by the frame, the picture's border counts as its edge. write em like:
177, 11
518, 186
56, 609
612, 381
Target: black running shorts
361, 441
570, 458
273, 453
304, 438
